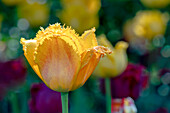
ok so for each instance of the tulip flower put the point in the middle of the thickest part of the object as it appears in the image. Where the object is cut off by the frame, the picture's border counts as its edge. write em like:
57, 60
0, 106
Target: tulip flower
144, 27
77, 17
36, 14
123, 105
92, 6
63, 59
13, 73
160, 110
112, 65
155, 3
130, 83
44, 100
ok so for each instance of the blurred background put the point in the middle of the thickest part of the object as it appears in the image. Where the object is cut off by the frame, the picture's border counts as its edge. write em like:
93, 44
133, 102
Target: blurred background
143, 24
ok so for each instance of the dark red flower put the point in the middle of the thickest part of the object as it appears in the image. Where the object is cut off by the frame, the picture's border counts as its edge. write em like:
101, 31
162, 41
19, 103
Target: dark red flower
12, 75
129, 83
160, 110
44, 100
163, 72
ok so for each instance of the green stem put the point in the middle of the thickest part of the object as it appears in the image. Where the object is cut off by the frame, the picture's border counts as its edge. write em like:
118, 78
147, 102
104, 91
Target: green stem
14, 102
108, 95
64, 99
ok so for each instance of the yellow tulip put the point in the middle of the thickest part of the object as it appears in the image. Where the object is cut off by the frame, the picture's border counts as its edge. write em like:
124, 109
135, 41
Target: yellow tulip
61, 58
146, 24
114, 64
78, 18
92, 6
156, 3
36, 14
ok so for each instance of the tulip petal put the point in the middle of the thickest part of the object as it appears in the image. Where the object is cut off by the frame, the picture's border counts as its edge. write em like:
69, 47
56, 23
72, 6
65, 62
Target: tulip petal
58, 62
88, 39
29, 48
56, 30
89, 60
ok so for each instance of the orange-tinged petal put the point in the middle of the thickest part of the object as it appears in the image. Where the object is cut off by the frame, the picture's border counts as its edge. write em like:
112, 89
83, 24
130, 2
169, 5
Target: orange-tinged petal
55, 30
88, 39
29, 49
58, 62
89, 59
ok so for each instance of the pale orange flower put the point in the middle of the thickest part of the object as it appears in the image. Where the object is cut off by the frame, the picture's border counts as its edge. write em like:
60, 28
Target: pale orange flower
61, 58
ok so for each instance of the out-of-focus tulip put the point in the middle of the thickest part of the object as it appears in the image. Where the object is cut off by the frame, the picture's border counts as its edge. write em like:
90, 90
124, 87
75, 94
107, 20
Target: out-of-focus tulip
156, 3
129, 83
36, 14
11, 2
44, 100
123, 105
92, 6
77, 17
143, 28
12, 74
146, 24
161, 110
114, 64
61, 58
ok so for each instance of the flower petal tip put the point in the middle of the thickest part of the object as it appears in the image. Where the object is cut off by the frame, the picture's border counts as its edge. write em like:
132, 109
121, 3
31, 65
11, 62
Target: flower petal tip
122, 45
102, 50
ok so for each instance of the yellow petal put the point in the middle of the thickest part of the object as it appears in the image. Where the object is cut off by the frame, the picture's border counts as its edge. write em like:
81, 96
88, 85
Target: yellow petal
58, 62
29, 48
89, 59
121, 45
55, 30
102, 40
114, 64
88, 39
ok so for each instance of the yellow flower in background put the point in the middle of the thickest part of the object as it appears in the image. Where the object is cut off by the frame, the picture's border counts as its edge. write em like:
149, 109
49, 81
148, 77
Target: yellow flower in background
61, 58
78, 18
11, 2
156, 3
149, 24
36, 14
92, 6
114, 64
146, 24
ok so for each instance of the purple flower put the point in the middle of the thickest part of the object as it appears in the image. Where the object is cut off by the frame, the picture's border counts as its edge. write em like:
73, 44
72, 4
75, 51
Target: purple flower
12, 75
160, 110
129, 83
44, 100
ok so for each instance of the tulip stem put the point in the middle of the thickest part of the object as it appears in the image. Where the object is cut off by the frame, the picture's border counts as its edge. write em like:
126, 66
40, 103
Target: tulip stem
64, 99
14, 102
108, 95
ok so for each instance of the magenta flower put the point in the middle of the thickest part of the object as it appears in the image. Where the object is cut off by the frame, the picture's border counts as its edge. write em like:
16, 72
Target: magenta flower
12, 75
160, 110
129, 83
44, 100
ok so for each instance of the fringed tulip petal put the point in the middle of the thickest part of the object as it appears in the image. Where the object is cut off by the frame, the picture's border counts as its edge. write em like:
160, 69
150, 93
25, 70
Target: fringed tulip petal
88, 39
89, 59
59, 63
29, 49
